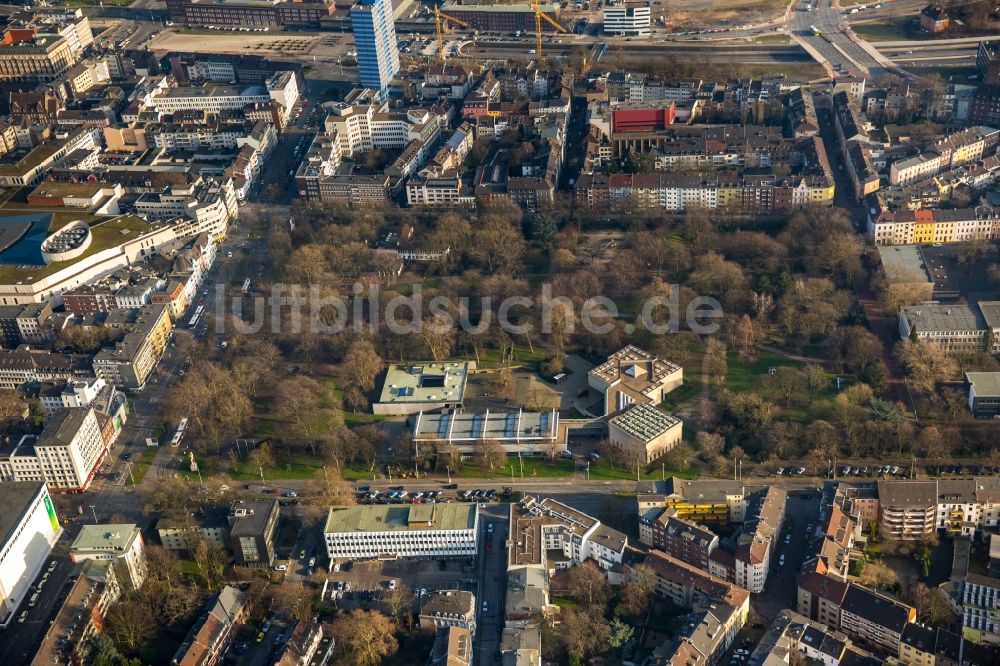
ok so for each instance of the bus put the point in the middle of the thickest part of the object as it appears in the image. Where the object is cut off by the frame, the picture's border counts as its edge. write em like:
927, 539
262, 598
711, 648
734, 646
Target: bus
246, 286
814, 30
179, 435
197, 316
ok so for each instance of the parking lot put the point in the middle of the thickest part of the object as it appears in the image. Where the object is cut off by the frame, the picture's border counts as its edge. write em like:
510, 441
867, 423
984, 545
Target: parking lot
399, 495
359, 584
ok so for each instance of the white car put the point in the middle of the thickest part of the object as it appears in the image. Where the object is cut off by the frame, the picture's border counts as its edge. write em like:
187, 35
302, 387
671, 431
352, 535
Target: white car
281, 567
781, 559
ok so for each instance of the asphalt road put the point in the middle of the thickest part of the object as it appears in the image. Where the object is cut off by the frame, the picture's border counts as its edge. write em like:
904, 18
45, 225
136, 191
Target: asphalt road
492, 576
20, 641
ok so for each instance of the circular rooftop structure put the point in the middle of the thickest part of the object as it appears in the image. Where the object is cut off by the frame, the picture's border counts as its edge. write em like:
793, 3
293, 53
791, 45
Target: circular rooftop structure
68, 243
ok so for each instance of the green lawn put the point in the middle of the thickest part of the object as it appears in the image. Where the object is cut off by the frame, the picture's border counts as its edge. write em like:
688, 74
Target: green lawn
142, 462
523, 356
741, 375
533, 468
886, 31
297, 466
603, 469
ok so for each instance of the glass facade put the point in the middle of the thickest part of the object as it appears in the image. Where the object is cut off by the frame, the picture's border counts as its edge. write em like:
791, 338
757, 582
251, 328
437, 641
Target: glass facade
375, 39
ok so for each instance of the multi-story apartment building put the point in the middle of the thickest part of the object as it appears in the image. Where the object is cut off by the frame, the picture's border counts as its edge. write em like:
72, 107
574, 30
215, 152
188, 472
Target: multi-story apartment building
280, 87
184, 534
988, 62
132, 360
539, 527
375, 37
873, 619
22, 365
932, 225
91, 591
981, 608
25, 324
446, 190
795, 638
214, 631
65, 455
691, 588
416, 530
121, 544
29, 169
209, 205
907, 509
755, 543
708, 501
820, 592
252, 526
926, 646
946, 153
29, 529
679, 538
448, 608
957, 329
716, 190
54, 396
626, 17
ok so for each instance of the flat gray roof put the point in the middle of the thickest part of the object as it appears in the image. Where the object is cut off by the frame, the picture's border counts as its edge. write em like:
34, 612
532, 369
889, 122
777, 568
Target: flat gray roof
486, 425
984, 383
904, 264
425, 382
401, 518
15, 498
945, 318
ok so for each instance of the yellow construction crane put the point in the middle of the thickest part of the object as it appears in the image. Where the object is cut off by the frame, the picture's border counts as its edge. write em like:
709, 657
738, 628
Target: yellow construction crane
440, 24
539, 15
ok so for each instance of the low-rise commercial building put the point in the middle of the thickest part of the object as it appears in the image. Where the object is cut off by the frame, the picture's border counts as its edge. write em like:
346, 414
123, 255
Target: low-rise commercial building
121, 545
416, 530
521, 433
29, 528
410, 388
984, 394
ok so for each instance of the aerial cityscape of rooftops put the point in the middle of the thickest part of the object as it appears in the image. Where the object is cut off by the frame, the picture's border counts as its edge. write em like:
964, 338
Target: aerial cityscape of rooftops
517, 332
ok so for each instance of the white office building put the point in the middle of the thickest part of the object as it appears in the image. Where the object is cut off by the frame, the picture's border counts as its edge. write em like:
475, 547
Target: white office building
392, 531
627, 18
64, 456
122, 545
29, 529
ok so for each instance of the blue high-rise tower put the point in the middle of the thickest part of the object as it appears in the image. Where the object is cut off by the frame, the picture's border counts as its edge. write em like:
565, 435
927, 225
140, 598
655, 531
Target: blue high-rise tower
375, 39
